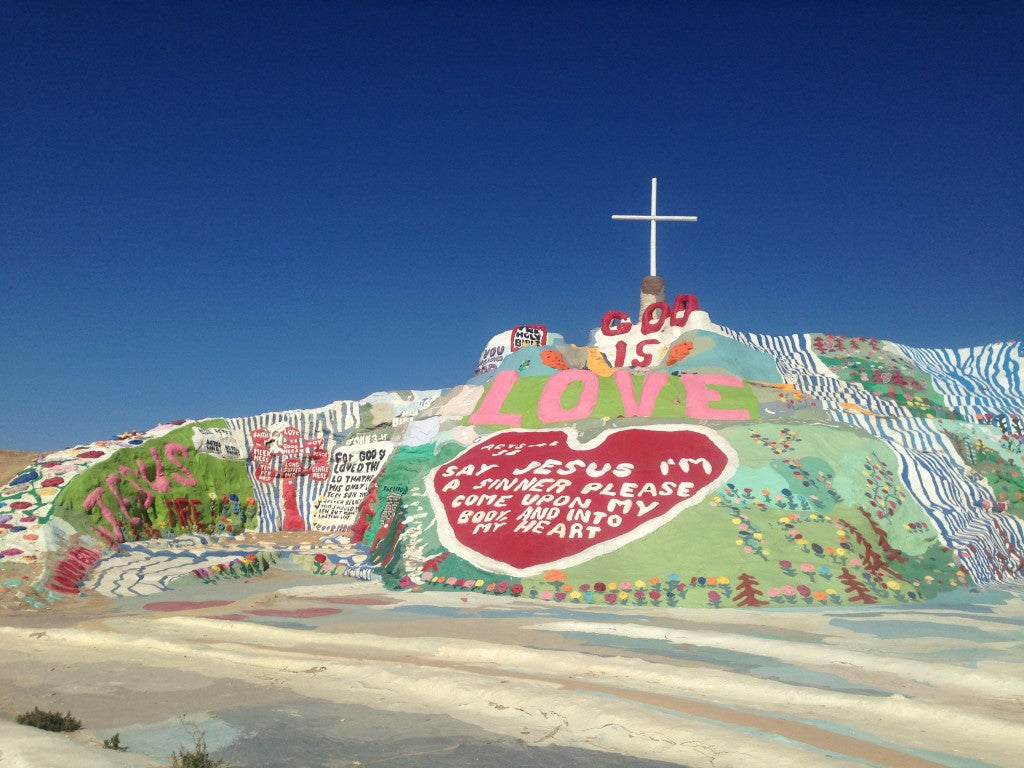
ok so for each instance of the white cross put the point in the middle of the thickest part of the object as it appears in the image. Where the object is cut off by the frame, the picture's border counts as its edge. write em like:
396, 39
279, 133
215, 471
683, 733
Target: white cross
654, 218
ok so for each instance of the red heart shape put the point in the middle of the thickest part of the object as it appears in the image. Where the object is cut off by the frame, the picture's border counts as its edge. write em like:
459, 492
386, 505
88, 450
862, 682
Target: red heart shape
523, 501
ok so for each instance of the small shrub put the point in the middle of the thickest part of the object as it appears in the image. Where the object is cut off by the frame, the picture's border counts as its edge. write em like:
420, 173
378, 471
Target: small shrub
197, 757
114, 742
49, 721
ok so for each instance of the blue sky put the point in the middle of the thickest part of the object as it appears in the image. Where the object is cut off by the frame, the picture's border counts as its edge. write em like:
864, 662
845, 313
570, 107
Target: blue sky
220, 209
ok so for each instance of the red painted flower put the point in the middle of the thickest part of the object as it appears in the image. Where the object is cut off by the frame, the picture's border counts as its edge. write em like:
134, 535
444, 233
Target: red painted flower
321, 558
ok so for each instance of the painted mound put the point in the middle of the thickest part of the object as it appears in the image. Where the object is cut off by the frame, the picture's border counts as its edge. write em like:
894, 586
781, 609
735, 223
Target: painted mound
670, 461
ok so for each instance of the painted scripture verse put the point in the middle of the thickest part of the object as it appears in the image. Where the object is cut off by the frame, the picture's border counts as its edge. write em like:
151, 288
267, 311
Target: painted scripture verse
522, 501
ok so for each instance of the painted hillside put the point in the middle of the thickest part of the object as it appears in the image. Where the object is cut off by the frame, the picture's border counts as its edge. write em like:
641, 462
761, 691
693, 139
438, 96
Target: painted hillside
668, 461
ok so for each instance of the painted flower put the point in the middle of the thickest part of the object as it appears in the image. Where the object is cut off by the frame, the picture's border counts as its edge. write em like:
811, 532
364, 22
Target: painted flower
599, 586
610, 597
321, 558
788, 590
502, 587
545, 595
517, 589
803, 590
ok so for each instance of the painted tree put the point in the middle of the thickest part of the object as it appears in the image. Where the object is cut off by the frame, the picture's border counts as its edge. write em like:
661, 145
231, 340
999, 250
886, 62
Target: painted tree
873, 562
890, 551
283, 455
859, 590
747, 593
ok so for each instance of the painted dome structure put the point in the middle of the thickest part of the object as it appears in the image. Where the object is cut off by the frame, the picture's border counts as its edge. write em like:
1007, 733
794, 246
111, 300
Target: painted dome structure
667, 461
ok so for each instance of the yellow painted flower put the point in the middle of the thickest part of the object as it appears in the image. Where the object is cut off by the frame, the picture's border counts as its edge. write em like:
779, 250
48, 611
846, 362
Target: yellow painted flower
639, 583
722, 581
575, 595
623, 595
893, 585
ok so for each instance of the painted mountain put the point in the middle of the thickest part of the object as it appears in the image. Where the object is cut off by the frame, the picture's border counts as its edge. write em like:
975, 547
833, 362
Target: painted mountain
668, 462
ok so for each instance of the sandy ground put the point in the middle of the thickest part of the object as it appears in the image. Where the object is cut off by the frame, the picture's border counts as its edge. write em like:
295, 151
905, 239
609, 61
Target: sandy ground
293, 670
12, 462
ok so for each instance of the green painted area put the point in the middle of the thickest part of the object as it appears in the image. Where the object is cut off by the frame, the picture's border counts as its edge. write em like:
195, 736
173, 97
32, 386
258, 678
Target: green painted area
881, 370
713, 353
995, 452
786, 529
160, 487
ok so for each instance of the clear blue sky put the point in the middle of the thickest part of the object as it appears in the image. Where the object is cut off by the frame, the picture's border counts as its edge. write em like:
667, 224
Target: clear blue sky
219, 209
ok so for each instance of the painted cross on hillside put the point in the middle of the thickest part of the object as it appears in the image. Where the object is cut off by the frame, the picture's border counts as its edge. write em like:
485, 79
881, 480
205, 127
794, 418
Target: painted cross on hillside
654, 218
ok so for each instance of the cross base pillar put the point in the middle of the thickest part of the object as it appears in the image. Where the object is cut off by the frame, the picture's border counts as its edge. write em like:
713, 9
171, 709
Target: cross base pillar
652, 290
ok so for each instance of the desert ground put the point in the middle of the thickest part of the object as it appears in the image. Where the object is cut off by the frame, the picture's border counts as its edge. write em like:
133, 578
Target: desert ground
292, 669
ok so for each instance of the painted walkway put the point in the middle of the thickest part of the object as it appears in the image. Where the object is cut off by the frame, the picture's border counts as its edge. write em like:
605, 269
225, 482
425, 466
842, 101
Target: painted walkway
288, 670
